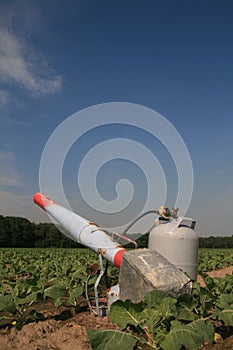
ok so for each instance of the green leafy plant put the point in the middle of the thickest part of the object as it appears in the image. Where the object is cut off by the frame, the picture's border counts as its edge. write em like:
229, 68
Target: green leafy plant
161, 322
29, 276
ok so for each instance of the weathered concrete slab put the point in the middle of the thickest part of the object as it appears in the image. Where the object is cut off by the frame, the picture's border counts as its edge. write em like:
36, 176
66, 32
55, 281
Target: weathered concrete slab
143, 270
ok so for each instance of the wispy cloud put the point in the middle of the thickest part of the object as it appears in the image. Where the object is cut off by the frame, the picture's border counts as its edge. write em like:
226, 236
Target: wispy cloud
9, 122
223, 172
4, 98
15, 180
22, 65
9, 176
15, 204
6, 156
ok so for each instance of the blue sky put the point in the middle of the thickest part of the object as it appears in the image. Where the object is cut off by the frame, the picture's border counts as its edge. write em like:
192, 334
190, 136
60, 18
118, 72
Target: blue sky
175, 57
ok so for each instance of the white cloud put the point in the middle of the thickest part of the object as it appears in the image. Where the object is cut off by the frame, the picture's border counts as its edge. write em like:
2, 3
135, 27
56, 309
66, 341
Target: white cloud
22, 66
213, 211
4, 98
12, 181
14, 204
6, 155
9, 176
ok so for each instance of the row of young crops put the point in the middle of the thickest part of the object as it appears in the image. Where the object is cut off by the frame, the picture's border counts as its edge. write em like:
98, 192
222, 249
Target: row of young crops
32, 275
29, 276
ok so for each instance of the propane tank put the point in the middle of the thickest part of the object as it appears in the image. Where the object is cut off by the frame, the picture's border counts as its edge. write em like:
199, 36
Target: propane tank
175, 239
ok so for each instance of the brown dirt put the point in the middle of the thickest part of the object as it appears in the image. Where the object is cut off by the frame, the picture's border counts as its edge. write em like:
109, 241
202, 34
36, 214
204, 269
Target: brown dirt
216, 274
65, 329
54, 333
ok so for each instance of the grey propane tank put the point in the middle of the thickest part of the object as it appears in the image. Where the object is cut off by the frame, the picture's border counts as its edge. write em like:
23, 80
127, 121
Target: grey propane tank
178, 242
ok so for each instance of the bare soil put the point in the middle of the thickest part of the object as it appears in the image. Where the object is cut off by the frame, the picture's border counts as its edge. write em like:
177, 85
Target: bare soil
216, 274
66, 329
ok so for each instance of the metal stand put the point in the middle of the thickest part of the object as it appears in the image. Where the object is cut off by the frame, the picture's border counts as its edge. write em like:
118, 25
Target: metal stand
101, 310
97, 309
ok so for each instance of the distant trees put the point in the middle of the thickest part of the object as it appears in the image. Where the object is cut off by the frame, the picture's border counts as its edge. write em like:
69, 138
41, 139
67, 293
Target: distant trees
16, 232
216, 242
204, 242
20, 232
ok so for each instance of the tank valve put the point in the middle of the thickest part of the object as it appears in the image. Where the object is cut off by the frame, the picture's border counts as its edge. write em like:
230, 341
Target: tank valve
174, 213
166, 213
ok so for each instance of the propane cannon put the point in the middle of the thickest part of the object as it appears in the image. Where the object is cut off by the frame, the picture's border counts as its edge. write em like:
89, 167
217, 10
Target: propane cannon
82, 231
141, 270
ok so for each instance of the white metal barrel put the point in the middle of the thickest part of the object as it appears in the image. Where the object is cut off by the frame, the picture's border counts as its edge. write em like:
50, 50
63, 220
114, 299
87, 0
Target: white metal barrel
82, 231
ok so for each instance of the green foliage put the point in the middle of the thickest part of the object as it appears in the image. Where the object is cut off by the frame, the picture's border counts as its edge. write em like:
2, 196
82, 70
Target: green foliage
165, 323
160, 322
20, 232
16, 231
214, 259
216, 242
55, 292
7, 304
185, 307
155, 321
30, 275
224, 309
191, 335
111, 340
126, 312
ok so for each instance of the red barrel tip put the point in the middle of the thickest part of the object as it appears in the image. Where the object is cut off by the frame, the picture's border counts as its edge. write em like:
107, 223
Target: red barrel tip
41, 200
118, 257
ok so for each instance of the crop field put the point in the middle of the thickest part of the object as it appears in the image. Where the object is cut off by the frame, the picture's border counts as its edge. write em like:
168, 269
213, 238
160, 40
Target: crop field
33, 280
31, 274
214, 259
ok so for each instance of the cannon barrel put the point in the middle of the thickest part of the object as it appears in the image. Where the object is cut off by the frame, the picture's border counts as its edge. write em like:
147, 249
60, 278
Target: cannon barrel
81, 230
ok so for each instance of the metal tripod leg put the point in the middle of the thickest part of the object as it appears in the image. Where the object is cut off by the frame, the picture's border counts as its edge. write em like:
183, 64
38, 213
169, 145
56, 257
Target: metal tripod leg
97, 310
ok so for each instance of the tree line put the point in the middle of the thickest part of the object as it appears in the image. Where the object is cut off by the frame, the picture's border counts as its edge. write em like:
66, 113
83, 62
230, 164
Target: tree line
216, 242
19, 232
204, 242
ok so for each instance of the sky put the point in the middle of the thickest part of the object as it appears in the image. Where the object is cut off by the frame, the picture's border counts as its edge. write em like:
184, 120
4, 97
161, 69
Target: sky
58, 59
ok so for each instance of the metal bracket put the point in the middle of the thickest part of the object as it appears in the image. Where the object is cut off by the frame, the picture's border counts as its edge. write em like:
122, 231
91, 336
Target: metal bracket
97, 309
